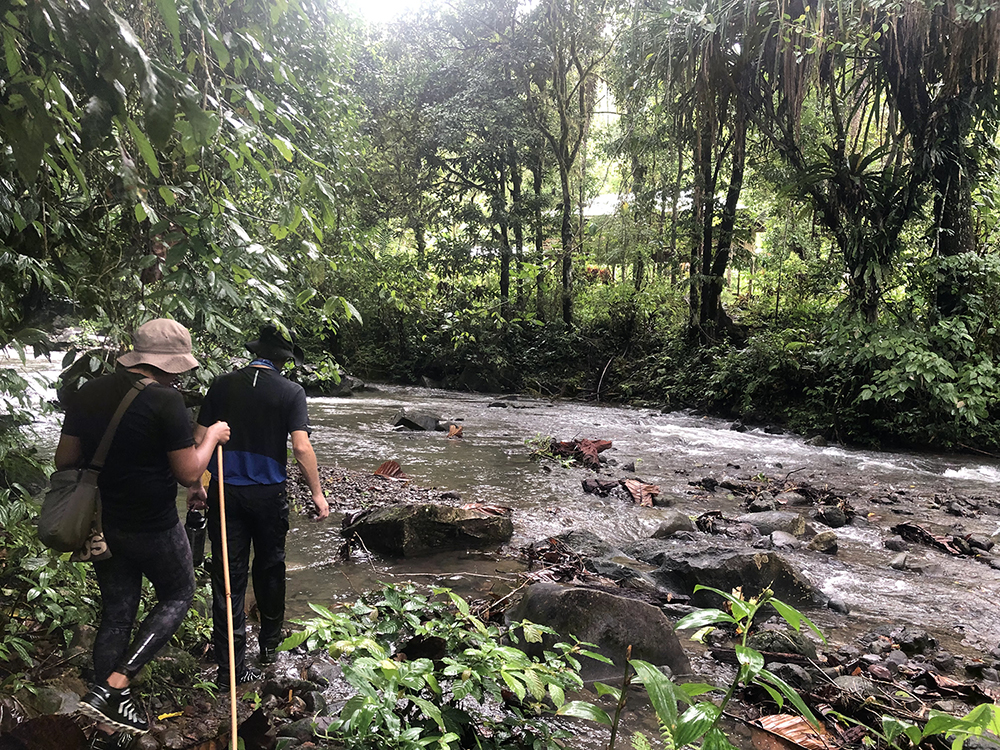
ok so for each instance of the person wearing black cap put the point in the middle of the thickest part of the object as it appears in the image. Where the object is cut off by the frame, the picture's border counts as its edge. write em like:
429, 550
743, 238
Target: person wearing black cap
263, 409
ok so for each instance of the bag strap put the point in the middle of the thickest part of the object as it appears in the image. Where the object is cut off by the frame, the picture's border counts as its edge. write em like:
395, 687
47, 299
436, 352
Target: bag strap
97, 462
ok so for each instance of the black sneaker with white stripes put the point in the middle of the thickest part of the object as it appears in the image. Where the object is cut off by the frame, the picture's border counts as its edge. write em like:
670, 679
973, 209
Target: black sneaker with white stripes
114, 707
243, 676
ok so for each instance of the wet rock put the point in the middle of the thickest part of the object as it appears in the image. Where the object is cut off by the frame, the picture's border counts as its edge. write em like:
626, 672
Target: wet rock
855, 685
673, 522
587, 544
708, 483
762, 503
943, 661
879, 645
47, 700
314, 701
782, 642
974, 668
783, 540
414, 530
724, 569
818, 441
794, 674
324, 673
599, 487
611, 622
303, 730
832, 515
896, 658
776, 520
980, 542
915, 641
880, 672
896, 544
415, 420
499, 405
663, 500
738, 427
839, 606
825, 542
792, 498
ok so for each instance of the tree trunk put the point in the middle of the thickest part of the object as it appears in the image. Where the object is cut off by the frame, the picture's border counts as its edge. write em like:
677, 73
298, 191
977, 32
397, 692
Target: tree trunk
712, 314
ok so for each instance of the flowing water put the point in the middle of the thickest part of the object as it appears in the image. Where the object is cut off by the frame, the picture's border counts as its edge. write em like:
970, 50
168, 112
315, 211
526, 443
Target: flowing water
956, 600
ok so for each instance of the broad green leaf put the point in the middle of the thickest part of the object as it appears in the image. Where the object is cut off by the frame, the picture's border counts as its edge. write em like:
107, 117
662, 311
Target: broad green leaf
556, 694
695, 723
661, 691
161, 106
583, 710
603, 690
284, 146
144, 146
703, 617
514, 684
168, 10
752, 660
167, 195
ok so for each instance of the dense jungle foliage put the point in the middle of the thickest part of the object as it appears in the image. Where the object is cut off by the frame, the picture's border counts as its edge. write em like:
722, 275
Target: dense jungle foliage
780, 212
774, 211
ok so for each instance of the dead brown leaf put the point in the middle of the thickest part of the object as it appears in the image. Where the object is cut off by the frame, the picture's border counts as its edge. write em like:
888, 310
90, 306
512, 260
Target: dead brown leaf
390, 469
641, 492
779, 731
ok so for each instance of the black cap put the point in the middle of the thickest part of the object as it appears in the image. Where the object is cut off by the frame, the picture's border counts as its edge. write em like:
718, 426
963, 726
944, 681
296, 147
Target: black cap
272, 344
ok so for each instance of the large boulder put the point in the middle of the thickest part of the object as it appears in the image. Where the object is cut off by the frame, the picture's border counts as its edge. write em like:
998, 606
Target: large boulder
414, 530
724, 569
611, 622
415, 420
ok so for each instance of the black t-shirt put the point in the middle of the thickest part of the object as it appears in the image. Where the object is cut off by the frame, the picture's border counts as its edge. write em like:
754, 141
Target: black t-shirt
262, 408
138, 488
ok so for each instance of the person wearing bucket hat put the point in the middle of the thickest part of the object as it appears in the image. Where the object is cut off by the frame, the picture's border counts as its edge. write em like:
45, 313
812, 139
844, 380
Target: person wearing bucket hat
153, 448
264, 409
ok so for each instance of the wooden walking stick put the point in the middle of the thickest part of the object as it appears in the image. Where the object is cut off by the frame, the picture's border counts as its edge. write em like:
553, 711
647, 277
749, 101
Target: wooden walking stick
229, 602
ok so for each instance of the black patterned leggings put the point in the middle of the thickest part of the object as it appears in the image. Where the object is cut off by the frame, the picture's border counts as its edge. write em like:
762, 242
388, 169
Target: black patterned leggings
163, 557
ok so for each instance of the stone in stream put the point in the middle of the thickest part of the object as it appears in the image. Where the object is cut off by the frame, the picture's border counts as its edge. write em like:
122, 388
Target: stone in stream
784, 540
415, 420
832, 516
673, 522
610, 622
724, 569
792, 498
770, 521
414, 530
825, 542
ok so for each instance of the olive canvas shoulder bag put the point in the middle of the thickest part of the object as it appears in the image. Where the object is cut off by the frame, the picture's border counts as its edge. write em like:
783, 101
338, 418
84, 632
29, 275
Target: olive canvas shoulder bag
70, 519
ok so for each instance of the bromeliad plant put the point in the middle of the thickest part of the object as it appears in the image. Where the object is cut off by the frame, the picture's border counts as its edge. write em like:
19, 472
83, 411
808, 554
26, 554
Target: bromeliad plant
429, 673
698, 725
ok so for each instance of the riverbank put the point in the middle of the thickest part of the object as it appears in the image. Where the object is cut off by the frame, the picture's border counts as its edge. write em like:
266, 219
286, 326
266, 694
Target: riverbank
951, 673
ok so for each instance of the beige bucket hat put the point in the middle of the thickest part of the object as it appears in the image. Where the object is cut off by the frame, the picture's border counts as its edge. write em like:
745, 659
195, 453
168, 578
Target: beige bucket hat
161, 343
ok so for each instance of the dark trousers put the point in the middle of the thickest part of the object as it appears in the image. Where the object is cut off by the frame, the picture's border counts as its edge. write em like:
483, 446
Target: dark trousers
256, 515
163, 557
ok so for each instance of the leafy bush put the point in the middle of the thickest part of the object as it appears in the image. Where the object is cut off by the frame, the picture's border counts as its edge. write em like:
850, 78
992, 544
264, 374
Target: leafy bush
473, 688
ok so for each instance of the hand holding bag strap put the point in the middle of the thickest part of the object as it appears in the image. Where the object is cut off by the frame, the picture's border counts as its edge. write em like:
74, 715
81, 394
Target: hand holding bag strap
97, 462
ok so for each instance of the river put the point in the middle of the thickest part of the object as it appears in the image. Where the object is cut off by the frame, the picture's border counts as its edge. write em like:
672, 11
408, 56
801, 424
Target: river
955, 599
